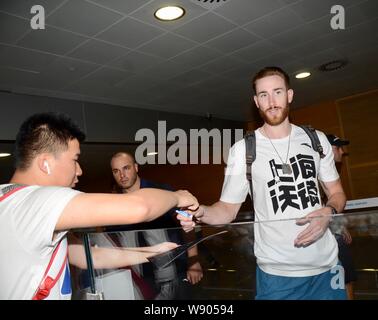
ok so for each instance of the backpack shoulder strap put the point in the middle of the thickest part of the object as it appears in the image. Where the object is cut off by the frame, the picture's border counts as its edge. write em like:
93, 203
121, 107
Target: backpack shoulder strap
9, 190
60, 254
315, 142
250, 156
54, 270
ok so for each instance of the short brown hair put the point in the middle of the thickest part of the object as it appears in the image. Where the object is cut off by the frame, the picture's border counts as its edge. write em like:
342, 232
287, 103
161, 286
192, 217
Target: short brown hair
123, 153
270, 71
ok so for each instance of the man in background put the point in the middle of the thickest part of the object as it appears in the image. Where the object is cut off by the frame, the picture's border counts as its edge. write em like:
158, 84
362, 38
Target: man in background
125, 173
344, 239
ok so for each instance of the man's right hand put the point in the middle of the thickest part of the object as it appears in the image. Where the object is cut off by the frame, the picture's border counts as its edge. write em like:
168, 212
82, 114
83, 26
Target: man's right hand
186, 200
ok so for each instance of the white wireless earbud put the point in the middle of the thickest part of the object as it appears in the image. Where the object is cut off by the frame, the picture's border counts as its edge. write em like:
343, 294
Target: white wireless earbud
45, 163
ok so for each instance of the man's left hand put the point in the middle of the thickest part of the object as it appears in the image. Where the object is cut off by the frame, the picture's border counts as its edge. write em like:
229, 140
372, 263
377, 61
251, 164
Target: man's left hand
194, 273
318, 223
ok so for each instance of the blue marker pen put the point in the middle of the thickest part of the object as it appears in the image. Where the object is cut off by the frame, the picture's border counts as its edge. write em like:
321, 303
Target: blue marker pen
187, 215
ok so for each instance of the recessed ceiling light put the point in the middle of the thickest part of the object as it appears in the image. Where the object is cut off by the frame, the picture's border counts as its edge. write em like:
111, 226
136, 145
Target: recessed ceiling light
333, 65
151, 153
169, 13
4, 154
302, 75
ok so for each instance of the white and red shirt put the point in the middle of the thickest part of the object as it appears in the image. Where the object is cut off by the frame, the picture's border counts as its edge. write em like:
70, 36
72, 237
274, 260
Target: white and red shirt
28, 216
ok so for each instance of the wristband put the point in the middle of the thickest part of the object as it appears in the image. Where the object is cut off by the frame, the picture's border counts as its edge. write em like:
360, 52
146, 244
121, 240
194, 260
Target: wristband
334, 211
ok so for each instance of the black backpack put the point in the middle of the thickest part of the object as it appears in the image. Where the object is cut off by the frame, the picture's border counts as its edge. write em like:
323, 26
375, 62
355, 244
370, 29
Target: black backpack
250, 149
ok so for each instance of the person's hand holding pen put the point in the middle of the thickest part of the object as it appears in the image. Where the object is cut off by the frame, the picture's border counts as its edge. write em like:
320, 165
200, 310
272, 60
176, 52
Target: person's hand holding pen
186, 200
189, 220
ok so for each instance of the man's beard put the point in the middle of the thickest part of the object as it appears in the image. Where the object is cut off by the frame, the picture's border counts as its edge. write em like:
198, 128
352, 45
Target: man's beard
276, 120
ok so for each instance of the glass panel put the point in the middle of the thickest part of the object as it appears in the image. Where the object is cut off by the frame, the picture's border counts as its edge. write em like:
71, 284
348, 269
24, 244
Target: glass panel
226, 258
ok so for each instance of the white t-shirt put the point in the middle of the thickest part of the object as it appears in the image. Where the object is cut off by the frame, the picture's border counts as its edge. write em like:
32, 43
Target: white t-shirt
27, 221
294, 195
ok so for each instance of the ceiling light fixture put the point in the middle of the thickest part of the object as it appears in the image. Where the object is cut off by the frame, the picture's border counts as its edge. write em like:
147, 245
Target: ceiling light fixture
151, 153
169, 13
4, 154
303, 75
333, 65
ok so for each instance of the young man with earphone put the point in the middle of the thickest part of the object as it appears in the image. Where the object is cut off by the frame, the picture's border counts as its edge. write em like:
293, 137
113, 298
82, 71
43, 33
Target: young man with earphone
38, 206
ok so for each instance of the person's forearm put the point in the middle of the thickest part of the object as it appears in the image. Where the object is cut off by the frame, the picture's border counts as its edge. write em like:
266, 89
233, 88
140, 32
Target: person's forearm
193, 252
338, 201
120, 257
107, 258
157, 201
87, 210
218, 213
112, 258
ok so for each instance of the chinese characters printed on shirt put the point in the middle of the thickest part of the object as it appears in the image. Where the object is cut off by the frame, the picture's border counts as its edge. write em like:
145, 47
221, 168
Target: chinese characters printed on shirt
285, 190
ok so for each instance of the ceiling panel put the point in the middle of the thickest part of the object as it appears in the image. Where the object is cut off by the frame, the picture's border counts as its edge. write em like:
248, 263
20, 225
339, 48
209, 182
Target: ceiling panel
295, 36
15, 57
256, 51
205, 27
70, 17
233, 40
98, 52
241, 11
116, 52
166, 70
191, 77
167, 45
51, 40
69, 70
12, 28
196, 56
22, 7
222, 64
10, 77
136, 62
125, 7
277, 22
129, 33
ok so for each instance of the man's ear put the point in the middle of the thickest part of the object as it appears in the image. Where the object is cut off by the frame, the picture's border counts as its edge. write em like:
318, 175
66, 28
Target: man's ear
43, 162
290, 95
136, 167
256, 103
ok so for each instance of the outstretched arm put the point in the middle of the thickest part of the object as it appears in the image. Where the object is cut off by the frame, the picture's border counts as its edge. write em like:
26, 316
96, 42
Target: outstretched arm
113, 258
218, 213
90, 210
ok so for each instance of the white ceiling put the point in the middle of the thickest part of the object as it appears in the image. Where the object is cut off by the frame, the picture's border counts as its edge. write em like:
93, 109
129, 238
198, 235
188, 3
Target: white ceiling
115, 51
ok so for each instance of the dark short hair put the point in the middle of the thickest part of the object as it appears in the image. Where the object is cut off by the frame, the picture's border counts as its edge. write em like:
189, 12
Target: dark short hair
44, 132
123, 153
270, 71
